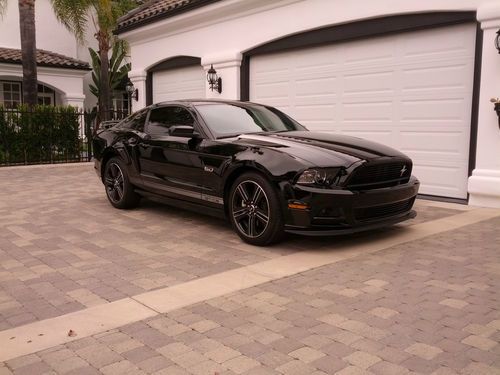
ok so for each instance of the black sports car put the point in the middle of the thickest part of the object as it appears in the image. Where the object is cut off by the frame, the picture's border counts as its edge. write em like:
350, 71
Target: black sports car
256, 166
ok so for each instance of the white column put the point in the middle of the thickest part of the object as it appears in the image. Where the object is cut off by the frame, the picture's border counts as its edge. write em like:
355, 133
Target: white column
484, 184
227, 65
75, 100
138, 78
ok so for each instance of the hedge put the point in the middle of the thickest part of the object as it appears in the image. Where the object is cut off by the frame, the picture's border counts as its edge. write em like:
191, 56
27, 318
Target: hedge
42, 134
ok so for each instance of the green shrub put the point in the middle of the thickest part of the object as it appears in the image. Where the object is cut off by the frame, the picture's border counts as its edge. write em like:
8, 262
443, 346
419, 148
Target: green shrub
43, 134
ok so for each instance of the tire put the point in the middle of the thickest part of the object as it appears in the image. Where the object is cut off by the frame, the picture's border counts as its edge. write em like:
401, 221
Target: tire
119, 190
255, 211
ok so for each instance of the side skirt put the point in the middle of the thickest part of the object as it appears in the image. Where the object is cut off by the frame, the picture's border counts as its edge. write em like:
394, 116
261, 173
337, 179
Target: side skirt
210, 211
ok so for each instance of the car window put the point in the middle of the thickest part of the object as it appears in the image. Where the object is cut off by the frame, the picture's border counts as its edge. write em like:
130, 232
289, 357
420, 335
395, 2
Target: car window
163, 118
228, 119
135, 121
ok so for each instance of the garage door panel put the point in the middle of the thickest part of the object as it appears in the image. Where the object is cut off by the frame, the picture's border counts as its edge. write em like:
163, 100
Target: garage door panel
439, 180
429, 43
436, 78
309, 113
412, 91
360, 52
375, 136
443, 145
369, 83
182, 83
445, 109
315, 88
366, 110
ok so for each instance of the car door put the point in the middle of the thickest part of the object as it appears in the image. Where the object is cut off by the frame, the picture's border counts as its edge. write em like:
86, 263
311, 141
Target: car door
129, 133
169, 162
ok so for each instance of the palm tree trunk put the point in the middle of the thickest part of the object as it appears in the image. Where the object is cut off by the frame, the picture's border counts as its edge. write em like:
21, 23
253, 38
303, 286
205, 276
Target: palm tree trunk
105, 90
28, 50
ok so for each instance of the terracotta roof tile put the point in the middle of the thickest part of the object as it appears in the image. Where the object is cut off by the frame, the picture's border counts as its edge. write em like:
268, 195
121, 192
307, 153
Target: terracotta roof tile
43, 58
157, 9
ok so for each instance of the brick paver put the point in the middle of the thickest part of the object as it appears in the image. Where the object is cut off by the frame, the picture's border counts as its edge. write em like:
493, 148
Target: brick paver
396, 324
63, 248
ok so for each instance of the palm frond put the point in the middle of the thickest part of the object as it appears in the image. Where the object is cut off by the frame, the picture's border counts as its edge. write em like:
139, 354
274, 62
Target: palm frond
74, 15
3, 7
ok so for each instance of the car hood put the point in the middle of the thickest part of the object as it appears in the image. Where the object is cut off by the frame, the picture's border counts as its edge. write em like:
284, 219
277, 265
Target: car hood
320, 149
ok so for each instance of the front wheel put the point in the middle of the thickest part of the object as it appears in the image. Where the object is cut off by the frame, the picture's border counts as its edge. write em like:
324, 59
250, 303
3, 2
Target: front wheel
119, 190
254, 210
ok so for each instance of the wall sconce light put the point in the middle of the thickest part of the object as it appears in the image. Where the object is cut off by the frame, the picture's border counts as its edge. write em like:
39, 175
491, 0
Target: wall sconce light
497, 41
214, 81
132, 92
496, 102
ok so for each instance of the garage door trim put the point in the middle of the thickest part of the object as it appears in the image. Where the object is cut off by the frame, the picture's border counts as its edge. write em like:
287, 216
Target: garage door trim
374, 28
169, 64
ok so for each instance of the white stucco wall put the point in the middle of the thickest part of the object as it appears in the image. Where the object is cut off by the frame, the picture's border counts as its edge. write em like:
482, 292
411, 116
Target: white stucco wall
51, 35
67, 83
221, 32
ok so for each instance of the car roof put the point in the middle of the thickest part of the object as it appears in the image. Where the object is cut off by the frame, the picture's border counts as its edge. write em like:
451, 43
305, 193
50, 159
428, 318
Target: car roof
194, 102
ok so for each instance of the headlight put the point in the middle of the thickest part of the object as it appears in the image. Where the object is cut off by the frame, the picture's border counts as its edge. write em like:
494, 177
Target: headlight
320, 176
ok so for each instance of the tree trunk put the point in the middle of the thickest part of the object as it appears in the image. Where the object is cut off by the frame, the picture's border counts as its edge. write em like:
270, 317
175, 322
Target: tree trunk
28, 50
105, 104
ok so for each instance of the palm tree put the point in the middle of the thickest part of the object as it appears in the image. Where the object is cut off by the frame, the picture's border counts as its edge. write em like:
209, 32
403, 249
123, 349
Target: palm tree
28, 48
28, 51
118, 71
74, 14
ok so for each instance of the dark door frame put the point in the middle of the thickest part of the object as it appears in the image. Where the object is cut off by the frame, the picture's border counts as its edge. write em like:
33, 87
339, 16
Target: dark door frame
373, 28
169, 64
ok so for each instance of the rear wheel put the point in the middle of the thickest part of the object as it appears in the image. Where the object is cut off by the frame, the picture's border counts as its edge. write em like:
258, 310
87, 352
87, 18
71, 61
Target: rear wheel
254, 210
119, 190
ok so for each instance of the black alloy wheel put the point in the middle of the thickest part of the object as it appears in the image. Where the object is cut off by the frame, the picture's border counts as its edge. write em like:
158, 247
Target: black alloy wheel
255, 211
119, 190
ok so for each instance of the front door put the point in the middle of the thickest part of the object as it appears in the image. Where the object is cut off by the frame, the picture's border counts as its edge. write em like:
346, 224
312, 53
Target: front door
170, 165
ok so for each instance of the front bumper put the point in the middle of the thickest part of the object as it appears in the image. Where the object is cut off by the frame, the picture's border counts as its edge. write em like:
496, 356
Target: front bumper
330, 211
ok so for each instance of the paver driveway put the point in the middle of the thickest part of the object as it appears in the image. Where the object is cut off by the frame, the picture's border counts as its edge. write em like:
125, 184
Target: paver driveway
64, 248
425, 306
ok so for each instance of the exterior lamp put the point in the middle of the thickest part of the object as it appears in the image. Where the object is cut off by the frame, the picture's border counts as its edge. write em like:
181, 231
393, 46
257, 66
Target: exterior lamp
214, 81
496, 103
132, 92
497, 41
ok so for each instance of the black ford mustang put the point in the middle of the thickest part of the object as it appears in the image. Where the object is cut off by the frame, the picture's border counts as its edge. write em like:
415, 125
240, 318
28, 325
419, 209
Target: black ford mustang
256, 166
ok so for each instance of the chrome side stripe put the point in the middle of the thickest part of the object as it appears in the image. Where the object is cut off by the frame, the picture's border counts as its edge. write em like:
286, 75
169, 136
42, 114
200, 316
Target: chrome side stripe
188, 193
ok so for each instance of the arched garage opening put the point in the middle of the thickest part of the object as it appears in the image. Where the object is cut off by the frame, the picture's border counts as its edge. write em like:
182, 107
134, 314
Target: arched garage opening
180, 77
409, 81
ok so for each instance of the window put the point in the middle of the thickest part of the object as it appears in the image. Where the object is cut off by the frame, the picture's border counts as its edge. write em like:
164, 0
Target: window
163, 118
230, 120
10, 94
120, 102
46, 96
135, 121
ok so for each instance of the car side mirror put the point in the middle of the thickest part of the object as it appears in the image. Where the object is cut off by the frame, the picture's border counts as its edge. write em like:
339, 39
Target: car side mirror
143, 136
184, 131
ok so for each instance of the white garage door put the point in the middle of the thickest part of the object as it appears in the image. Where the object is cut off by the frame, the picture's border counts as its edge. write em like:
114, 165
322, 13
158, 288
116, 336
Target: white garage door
411, 91
181, 83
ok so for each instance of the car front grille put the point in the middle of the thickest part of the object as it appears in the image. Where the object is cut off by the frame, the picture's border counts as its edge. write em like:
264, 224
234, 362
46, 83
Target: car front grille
373, 176
375, 212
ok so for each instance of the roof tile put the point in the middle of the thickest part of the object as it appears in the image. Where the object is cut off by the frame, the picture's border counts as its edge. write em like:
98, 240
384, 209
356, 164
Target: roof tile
43, 58
154, 9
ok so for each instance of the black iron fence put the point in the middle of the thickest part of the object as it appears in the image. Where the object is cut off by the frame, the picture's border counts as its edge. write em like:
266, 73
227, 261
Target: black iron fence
46, 134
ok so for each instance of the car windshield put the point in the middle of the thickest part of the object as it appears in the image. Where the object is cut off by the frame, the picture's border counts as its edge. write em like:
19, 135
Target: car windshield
226, 120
